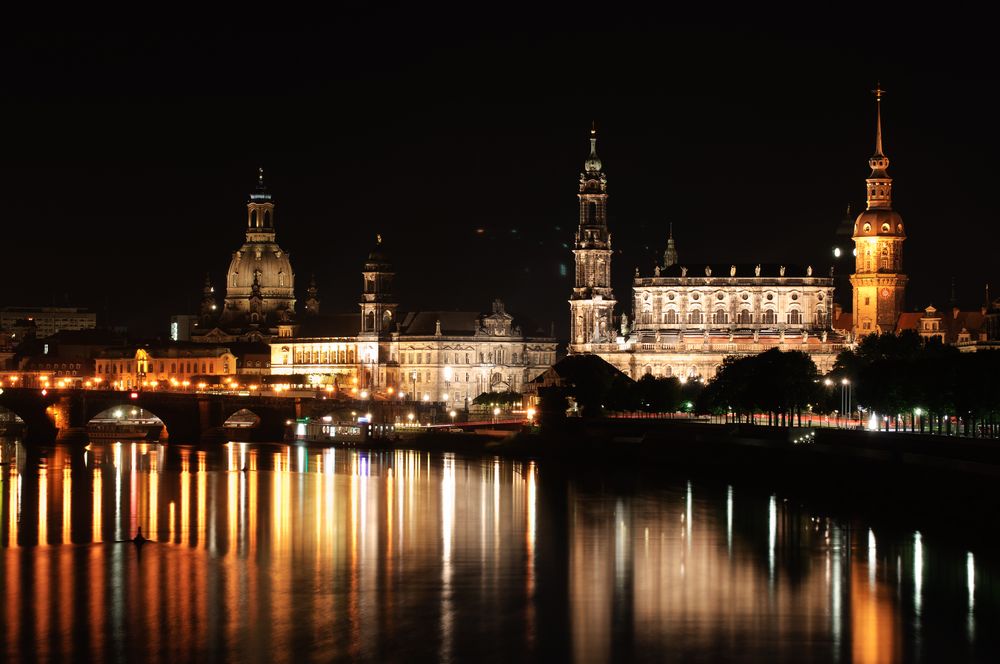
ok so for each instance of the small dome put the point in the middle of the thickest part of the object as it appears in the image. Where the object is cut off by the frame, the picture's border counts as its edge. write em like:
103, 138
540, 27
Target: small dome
879, 223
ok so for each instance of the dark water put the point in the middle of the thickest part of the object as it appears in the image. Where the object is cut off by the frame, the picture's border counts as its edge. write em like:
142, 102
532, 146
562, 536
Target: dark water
278, 553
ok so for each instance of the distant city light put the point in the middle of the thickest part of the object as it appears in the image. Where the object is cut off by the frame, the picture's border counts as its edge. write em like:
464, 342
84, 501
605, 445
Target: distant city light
836, 252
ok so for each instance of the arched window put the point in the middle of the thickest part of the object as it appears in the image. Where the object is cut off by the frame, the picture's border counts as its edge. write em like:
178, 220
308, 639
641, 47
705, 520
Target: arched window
821, 317
695, 317
253, 218
769, 317
668, 371
721, 317
745, 317
794, 317
670, 318
647, 317
267, 219
370, 321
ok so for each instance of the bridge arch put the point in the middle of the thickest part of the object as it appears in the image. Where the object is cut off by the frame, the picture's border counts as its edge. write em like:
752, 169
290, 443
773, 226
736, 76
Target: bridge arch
126, 421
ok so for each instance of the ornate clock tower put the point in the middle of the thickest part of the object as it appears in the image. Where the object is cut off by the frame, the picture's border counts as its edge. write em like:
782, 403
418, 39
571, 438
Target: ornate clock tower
592, 304
878, 280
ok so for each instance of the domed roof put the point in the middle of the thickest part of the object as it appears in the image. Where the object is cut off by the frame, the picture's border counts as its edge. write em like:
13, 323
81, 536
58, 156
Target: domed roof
879, 222
265, 262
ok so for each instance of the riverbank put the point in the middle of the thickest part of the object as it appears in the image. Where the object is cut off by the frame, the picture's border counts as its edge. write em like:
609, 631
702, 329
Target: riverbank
898, 477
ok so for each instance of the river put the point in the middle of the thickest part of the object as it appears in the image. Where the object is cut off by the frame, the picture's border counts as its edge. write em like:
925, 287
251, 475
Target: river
287, 553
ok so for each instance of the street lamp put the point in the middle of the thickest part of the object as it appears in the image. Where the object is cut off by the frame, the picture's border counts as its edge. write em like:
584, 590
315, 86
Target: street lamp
845, 396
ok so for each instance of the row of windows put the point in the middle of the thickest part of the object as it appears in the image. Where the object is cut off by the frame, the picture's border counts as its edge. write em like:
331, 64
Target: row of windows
60, 366
721, 317
175, 367
324, 357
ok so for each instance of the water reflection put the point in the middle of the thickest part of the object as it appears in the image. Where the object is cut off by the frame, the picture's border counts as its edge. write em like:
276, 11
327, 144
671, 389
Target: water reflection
269, 552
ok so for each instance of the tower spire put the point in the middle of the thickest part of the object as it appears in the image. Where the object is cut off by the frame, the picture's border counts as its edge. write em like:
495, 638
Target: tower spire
593, 163
879, 182
878, 92
670, 255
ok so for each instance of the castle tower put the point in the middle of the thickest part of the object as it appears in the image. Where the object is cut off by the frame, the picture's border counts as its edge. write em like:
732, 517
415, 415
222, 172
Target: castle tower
378, 306
593, 302
878, 281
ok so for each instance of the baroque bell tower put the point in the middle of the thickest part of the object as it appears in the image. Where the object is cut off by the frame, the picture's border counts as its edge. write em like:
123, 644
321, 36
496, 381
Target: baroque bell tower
878, 281
592, 304
378, 305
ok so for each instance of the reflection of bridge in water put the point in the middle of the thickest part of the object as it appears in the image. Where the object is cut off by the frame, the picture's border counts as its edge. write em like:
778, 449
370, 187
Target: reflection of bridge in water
49, 415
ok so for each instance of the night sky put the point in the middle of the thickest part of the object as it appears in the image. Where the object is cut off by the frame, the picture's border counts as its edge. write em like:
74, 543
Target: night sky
127, 155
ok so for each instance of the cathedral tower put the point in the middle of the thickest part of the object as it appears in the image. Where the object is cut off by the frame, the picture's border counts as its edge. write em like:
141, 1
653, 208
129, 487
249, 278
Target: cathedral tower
592, 304
878, 280
378, 306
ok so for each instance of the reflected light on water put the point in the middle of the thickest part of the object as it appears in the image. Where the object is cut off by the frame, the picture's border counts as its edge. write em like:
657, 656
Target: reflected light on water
271, 553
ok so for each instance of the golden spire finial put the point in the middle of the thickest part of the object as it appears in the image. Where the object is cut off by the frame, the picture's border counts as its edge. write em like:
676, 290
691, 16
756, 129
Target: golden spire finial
593, 127
378, 238
879, 91
260, 175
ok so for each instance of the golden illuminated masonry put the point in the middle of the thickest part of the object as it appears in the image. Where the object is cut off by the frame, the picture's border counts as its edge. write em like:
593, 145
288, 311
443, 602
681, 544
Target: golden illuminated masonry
878, 281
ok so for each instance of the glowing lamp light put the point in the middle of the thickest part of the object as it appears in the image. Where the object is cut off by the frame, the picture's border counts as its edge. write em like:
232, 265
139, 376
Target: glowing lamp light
452, 414
531, 413
409, 416
496, 411
389, 390
364, 394
918, 412
185, 383
427, 397
202, 386
134, 395
828, 382
836, 252
444, 397
44, 392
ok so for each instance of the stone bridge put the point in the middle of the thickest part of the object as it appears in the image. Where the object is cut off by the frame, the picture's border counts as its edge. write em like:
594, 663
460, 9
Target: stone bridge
187, 417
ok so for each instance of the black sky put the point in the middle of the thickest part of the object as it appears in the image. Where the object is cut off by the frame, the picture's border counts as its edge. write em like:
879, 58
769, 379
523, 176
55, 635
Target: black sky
127, 153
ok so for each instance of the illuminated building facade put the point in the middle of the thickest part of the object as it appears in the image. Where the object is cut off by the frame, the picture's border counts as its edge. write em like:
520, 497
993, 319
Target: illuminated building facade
448, 357
132, 368
685, 324
878, 280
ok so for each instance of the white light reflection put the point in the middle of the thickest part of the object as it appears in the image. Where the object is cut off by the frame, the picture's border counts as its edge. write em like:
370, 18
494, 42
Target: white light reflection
687, 520
772, 535
836, 591
918, 571
970, 568
872, 558
729, 519
447, 534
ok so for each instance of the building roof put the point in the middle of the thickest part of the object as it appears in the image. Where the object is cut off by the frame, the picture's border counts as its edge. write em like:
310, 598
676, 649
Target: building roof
453, 323
328, 325
844, 322
573, 369
743, 271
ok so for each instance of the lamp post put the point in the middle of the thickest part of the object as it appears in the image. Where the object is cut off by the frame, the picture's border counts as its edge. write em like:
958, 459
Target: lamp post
845, 396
